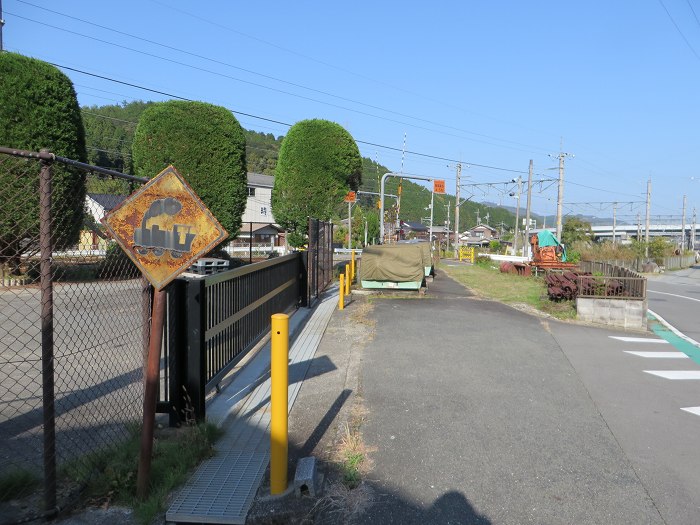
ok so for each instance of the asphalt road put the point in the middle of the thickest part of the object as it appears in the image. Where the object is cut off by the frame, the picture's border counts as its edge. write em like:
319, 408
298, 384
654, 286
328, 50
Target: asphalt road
483, 414
98, 368
675, 296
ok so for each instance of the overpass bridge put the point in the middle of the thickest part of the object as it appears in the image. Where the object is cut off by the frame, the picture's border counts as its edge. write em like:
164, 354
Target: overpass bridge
627, 232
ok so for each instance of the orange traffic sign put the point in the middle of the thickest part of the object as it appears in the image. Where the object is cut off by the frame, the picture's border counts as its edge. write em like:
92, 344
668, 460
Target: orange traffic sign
438, 186
164, 227
350, 197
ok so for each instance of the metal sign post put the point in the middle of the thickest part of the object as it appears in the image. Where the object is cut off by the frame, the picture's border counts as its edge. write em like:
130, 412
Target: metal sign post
381, 198
163, 227
350, 198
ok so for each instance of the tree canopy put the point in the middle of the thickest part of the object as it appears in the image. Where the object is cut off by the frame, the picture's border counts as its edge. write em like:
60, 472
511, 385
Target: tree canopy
109, 132
206, 145
575, 230
39, 109
318, 163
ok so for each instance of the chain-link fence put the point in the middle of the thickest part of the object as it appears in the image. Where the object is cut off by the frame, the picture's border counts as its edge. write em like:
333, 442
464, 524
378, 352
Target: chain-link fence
73, 321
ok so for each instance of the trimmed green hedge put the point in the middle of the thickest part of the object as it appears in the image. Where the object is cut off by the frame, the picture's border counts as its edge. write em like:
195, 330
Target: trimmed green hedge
318, 163
38, 109
206, 144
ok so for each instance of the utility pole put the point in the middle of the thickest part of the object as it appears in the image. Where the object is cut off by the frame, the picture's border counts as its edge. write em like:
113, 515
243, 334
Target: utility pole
432, 205
459, 175
526, 248
349, 225
478, 219
692, 237
447, 227
639, 227
2, 23
517, 216
683, 227
648, 219
560, 191
614, 220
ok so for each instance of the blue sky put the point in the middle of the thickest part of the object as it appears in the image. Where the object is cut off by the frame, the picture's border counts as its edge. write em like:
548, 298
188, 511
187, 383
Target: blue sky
495, 83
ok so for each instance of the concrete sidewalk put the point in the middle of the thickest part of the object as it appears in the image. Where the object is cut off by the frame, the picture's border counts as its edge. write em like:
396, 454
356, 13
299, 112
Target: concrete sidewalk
222, 489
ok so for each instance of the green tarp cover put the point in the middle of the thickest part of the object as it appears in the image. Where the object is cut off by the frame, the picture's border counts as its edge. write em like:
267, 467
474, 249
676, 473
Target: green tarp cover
394, 262
427, 256
547, 238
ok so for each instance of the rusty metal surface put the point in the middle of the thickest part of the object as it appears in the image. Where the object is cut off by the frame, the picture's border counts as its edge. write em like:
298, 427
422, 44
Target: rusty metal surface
151, 393
164, 227
47, 336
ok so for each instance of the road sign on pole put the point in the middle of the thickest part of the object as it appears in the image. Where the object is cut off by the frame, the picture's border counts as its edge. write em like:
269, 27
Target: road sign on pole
164, 227
438, 186
350, 197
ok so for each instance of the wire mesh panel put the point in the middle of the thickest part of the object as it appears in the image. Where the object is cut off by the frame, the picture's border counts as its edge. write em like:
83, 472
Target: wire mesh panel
91, 377
98, 330
20, 329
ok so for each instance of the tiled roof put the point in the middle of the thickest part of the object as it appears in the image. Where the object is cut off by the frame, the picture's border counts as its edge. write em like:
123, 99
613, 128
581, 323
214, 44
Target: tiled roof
106, 200
260, 180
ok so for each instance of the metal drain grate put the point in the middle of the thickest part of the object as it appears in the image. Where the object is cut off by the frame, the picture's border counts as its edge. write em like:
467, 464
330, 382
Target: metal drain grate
221, 490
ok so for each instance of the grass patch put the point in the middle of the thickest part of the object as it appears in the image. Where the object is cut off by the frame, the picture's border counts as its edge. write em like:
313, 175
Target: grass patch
352, 455
361, 314
17, 483
485, 280
110, 475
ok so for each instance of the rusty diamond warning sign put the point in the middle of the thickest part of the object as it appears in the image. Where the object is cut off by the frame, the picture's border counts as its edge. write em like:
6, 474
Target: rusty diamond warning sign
164, 227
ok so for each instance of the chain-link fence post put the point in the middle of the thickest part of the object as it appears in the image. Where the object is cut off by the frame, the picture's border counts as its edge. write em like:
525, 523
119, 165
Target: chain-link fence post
47, 363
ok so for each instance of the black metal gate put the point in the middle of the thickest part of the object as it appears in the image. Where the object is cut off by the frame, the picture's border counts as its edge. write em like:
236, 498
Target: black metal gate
319, 259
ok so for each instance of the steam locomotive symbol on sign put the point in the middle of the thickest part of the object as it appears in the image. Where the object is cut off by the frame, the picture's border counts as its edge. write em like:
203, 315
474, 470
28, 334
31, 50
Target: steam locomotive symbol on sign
177, 240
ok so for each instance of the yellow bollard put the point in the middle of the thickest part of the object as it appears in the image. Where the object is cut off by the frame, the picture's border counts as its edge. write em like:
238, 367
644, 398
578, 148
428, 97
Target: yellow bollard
352, 266
279, 409
347, 279
341, 299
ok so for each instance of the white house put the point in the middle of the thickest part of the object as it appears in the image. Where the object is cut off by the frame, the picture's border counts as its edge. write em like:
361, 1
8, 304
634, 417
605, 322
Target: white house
97, 205
259, 205
257, 218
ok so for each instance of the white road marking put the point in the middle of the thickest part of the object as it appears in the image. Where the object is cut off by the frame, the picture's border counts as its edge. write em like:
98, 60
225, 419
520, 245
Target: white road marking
673, 328
692, 410
639, 340
675, 295
659, 355
675, 374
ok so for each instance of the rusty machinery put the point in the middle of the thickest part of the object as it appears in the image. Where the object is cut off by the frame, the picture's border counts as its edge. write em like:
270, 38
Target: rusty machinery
548, 257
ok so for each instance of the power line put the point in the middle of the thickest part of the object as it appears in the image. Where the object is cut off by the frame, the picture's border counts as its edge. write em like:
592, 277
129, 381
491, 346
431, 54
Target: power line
679, 30
262, 86
693, 10
164, 93
390, 148
373, 144
338, 68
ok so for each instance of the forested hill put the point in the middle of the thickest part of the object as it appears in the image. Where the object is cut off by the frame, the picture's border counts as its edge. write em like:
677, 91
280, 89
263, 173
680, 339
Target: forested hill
110, 129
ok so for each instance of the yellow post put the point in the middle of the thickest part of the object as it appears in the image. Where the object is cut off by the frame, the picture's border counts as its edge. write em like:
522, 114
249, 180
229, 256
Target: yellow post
347, 279
352, 265
341, 299
279, 410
